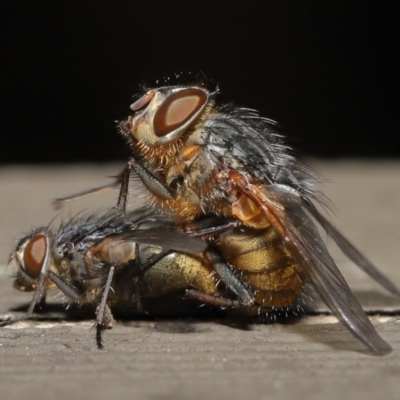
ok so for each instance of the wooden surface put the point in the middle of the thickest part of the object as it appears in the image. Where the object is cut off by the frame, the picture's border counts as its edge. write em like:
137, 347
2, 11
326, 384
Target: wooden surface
194, 359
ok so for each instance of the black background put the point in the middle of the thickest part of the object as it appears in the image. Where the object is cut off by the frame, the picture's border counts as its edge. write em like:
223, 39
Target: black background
326, 70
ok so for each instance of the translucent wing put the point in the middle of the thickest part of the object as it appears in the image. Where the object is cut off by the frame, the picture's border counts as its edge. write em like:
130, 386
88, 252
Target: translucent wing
166, 239
350, 251
251, 141
285, 209
142, 226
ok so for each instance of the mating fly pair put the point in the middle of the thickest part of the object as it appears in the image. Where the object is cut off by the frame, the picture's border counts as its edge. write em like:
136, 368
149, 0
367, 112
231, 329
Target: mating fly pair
199, 161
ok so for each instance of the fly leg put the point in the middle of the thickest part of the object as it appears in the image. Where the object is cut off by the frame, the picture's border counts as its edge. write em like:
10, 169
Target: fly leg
122, 180
139, 305
42, 301
107, 323
151, 182
36, 298
138, 301
59, 202
68, 289
40, 295
104, 317
212, 300
124, 188
230, 279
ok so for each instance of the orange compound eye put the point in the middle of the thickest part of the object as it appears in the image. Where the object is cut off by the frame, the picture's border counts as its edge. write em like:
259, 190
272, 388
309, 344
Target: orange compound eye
143, 101
177, 109
34, 255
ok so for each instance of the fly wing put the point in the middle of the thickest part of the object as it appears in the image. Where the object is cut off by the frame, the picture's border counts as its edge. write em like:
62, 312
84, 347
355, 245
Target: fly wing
284, 208
166, 239
141, 226
350, 251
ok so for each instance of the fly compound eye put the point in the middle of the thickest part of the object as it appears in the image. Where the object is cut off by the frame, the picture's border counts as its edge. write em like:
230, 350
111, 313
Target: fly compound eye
34, 255
177, 110
143, 101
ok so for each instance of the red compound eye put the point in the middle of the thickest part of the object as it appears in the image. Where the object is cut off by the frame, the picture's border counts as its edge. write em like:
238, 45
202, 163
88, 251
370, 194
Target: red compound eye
143, 101
177, 109
34, 255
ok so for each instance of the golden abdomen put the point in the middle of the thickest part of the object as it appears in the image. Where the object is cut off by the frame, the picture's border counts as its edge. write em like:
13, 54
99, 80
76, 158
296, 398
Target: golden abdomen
260, 259
178, 271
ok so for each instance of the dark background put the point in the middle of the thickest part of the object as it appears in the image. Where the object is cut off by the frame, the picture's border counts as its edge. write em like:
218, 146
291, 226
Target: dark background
325, 70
